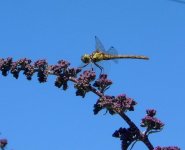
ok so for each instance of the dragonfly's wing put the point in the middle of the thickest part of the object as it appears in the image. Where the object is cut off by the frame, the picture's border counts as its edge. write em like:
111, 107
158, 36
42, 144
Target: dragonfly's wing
99, 46
112, 51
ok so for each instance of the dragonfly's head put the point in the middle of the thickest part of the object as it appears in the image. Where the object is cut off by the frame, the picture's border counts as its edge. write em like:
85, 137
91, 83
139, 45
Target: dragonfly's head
86, 58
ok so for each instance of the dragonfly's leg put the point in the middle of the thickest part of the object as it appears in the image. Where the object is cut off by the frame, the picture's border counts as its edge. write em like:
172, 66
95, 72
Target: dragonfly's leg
101, 68
84, 65
92, 67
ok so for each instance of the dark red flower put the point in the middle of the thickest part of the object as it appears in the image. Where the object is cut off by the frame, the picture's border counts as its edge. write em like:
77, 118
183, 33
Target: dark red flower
3, 143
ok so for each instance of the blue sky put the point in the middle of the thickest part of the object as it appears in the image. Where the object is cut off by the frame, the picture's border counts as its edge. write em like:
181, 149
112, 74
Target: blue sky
41, 116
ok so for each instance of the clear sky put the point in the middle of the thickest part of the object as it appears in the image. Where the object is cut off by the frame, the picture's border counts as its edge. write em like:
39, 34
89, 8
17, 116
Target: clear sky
42, 117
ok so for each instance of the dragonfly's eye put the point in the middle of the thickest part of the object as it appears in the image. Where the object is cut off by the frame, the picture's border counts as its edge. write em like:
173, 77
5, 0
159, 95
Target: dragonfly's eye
85, 58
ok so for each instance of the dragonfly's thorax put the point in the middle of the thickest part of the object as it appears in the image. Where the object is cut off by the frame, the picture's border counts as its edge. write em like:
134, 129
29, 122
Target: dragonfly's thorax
98, 56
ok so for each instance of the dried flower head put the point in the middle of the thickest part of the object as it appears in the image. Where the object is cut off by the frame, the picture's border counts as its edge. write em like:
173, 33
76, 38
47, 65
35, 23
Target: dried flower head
83, 82
152, 123
102, 83
3, 143
5, 65
118, 104
167, 148
126, 135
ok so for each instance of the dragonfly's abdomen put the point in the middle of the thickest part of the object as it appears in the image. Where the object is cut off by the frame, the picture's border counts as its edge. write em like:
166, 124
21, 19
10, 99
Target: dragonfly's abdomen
99, 56
126, 57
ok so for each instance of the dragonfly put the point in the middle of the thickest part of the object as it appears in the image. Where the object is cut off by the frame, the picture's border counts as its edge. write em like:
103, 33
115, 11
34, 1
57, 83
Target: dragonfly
100, 54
